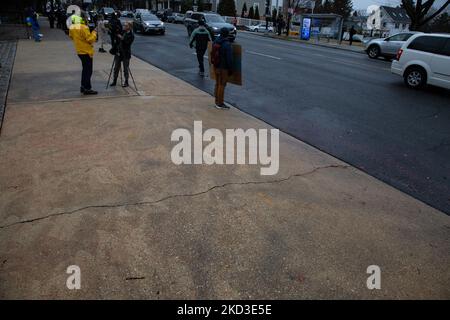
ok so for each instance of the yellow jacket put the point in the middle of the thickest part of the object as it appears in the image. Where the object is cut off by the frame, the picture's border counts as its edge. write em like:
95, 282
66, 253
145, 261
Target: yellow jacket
83, 39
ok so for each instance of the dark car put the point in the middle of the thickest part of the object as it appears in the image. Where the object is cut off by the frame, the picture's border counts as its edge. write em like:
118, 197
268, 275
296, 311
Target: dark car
148, 23
163, 14
107, 12
213, 22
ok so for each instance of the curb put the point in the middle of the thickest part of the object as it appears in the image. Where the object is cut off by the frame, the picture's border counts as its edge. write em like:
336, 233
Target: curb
7, 63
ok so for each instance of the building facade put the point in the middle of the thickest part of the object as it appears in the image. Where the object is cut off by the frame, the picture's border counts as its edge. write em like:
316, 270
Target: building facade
388, 21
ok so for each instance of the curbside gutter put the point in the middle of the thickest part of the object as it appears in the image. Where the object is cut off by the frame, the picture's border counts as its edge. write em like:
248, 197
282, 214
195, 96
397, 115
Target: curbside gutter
338, 47
7, 56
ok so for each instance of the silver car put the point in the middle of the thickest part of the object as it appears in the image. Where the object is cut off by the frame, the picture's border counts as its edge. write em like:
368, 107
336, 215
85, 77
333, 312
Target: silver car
387, 47
148, 23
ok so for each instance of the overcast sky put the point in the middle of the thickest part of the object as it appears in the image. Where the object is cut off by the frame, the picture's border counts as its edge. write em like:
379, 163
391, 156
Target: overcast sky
363, 4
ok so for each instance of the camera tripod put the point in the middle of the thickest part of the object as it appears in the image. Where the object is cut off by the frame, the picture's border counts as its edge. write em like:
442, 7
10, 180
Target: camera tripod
120, 71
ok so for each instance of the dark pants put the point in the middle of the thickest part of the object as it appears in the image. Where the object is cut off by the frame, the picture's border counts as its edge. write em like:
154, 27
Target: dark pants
86, 62
200, 54
126, 65
221, 82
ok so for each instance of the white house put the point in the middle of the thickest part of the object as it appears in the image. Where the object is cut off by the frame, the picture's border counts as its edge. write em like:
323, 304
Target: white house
387, 20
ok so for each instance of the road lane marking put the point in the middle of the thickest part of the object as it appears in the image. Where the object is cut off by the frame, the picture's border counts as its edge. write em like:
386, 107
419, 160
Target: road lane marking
263, 55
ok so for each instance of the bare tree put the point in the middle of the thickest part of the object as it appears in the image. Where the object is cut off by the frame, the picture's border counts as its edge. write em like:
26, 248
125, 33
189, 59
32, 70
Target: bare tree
418, 11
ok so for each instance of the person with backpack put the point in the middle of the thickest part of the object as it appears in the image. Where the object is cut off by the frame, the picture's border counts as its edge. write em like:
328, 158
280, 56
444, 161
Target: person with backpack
200, 38
222, 60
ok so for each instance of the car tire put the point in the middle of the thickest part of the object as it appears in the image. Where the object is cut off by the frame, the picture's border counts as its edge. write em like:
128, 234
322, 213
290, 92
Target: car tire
415, 77
373, 51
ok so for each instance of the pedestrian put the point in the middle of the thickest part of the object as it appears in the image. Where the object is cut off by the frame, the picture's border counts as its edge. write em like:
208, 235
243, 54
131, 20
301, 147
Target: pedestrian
102, 32
61, 17
115, 29
200, 38
35, 27
222, 60
280, 24
84, 40
123, 54
51, 19
352, 33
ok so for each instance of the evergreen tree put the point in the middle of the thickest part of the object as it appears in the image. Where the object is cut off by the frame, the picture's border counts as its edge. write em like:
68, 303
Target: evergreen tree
251, 13
327, 6
200, 5
227, 8
244, 10
342, 7
257, 17
319, 7
186, 5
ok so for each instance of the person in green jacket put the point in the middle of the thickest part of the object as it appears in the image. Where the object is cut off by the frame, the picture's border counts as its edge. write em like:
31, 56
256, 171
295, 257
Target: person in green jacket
200, 38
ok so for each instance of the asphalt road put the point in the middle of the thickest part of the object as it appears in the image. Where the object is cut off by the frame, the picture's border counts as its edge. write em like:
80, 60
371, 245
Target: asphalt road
340, 102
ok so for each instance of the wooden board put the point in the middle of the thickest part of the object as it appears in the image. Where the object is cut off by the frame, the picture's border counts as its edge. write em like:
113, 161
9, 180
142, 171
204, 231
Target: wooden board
236, 77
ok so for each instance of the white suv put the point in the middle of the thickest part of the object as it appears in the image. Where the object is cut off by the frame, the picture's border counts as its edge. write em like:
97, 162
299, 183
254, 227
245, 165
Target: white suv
424, 59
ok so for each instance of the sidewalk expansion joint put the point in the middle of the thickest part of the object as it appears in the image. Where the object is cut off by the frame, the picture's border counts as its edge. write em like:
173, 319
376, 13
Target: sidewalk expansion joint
143, 203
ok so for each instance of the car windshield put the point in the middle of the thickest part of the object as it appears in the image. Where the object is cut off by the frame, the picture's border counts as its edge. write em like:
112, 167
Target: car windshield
108, 10
149, 17
214, 18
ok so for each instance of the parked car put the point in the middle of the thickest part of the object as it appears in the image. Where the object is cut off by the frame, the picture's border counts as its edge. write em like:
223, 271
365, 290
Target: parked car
126, 14
424, 59
176, 18
148, 23
387, 47
260, 28
163, 14
136, 11
213, 22
107, 12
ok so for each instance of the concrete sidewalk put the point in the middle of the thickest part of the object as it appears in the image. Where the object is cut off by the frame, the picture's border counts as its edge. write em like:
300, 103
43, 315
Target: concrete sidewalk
89, 181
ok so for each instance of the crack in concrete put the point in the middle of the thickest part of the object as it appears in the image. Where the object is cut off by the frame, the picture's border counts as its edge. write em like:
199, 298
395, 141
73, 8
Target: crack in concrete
142, 203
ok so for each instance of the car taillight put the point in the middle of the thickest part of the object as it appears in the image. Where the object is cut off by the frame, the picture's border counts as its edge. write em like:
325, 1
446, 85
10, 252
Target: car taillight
399, 54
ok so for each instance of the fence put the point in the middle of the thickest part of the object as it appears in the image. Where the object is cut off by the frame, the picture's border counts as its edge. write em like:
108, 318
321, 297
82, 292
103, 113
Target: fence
244, 22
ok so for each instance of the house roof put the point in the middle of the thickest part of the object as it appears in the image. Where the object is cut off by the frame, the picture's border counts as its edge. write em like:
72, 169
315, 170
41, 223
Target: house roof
399, 15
